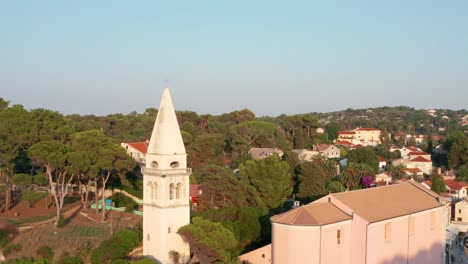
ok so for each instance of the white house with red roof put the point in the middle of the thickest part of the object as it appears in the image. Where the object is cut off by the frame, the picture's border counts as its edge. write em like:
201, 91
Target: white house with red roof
457, 190
420, 160
413, 171
384, 178
361, 136
137, 150
404, 151
382, 163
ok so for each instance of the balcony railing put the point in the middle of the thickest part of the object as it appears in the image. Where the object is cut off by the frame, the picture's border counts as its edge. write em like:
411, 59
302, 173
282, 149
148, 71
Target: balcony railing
157, 172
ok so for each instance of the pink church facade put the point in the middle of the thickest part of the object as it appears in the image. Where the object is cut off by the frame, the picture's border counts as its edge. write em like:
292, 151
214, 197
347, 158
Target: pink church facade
403, 223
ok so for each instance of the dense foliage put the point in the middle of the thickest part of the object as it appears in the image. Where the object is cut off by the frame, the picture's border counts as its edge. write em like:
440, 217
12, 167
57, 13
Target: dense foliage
39, 146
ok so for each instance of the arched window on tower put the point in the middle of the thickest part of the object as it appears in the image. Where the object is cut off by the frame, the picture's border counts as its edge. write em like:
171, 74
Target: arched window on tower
149, 190
154, 194
171, 191
179, 191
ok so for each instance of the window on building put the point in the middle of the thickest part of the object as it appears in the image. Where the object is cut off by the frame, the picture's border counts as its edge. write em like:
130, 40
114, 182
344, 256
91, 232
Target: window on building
149, 190
179, 191
154, 193
338, 236
168, 230
171, 191
388, 231
459, 211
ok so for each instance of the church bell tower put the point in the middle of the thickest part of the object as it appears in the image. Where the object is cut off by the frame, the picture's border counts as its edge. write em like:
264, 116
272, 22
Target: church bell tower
166, 205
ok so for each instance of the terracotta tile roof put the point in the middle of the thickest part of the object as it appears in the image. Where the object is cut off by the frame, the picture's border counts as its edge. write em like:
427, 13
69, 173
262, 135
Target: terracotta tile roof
381, 159
413, 170
195, 190
414, 153
420, 159
140, 146
428, 183
454, 185
312, 214
322, 147
383, 174
344, 143
373, 204
415, 149
347, 132
367, 129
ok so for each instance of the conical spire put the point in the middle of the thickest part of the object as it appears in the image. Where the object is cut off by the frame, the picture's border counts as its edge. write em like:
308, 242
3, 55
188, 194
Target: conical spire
166, 138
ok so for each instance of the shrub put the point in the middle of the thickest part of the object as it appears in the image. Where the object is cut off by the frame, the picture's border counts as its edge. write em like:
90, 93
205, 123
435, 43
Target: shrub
123, 201
97, 257
11, 248
45, 252
32, 197
116, 247
4, 238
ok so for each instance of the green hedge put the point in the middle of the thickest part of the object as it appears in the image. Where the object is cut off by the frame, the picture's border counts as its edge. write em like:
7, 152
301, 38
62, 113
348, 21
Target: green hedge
117, 247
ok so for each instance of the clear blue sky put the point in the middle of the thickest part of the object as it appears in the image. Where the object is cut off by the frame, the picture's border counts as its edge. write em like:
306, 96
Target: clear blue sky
273, 57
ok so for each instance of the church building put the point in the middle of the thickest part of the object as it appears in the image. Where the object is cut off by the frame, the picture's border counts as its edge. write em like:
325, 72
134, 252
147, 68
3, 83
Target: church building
166, 188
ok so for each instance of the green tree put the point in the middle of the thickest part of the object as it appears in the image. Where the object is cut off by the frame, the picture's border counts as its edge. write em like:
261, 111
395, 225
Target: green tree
315, 174
52, 155
252, 134
397, 171
270, 177
14, 137
351, 175
438, 185
365, 155
210, 242
332, 129
242, 221
223, 190
457, 145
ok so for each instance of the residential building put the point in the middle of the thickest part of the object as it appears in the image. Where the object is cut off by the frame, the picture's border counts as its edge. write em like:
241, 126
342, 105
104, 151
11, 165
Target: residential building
425, 165
458, 190
404, 151
448, 175
361, 136
194, 193
401, 223
384, 178
461, 211
261, 153
382, 163
414, 172
329, 151
259, 256
137, 150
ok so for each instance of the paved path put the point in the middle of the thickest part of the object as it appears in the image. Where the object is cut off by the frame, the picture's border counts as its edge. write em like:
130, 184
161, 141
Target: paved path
459, 251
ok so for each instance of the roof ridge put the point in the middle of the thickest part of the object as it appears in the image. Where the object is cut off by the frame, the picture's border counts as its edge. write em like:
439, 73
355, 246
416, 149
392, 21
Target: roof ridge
424, 189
